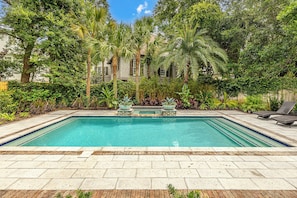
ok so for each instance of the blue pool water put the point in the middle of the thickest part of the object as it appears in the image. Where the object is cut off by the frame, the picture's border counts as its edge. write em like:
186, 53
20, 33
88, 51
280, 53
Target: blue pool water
146, 132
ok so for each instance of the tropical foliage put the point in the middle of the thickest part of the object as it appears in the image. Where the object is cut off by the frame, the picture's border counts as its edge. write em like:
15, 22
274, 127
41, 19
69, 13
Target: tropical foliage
119, 46
141, 35
89, 27
211, 52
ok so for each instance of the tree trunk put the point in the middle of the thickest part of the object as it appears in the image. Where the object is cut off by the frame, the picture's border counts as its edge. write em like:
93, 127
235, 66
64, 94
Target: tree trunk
103, 71
148, 69
88, 88
186, 75
25, 77
114, 75
137, 75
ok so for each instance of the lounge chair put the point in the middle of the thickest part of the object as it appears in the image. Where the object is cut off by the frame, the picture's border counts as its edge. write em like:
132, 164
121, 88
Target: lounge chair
285, 119
285, 109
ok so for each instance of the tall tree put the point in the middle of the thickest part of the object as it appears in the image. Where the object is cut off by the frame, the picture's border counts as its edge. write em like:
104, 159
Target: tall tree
188, 43
119, 46
208, 16
65, 66
288, 17
192, 52
29, 22
263, 49
152, 51
165, 10
89, 26
100, 42
142, 31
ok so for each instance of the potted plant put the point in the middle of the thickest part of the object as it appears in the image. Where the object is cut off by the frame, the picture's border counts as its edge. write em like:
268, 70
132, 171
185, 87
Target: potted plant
169, 104
125, 103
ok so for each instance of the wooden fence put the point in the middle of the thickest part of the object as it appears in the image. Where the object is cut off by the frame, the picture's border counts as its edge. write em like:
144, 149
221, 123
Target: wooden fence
285, 95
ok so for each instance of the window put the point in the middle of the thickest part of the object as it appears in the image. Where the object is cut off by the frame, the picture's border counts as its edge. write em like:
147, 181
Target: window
162, 72
133, 67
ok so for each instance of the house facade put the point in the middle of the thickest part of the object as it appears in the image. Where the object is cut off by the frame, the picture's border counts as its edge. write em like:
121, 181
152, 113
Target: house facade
127, 71
5, 54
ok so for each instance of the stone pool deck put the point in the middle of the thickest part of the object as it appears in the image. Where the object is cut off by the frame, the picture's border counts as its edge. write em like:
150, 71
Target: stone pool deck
144, 170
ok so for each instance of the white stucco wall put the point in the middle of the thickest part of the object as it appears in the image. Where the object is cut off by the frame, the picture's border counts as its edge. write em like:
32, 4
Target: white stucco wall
3, 41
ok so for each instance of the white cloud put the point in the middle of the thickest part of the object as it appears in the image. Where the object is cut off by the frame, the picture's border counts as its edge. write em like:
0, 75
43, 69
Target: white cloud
142, 7
147, 12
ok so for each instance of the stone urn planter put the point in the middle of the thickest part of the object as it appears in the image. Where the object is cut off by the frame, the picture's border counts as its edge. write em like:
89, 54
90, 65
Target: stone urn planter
125, 107
169, 104
168, 107
125, 104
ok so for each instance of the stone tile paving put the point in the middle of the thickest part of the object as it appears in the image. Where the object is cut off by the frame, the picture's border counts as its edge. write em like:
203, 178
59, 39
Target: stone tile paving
247, 169
113, 172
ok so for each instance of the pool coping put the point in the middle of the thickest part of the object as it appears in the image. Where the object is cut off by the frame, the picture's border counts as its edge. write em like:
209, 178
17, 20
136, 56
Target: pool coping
148, 169
150, 150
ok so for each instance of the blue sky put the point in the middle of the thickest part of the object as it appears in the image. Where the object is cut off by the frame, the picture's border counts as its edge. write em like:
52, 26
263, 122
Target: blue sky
127, 11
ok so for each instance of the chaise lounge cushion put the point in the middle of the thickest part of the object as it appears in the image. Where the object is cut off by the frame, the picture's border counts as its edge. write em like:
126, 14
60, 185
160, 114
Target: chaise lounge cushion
285, 109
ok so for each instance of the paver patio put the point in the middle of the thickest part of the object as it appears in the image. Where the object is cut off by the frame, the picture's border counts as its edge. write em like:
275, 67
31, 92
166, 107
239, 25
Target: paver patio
103, 168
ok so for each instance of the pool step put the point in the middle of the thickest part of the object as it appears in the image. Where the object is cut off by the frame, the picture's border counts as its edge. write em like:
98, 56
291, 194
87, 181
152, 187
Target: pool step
255, 135
232, 136
239, 134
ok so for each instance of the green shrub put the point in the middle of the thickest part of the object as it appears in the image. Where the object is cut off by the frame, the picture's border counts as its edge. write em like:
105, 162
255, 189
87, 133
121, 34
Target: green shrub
253, 103
79, 194
156, 88
97, 89
149, 88
7, 104
126, 88
94, 103
226, 103
205, 99
80, 102
38, 106
274, 103
24, 114
36, 101
63, 94
185, 96
107, 98
7, 116
175, 194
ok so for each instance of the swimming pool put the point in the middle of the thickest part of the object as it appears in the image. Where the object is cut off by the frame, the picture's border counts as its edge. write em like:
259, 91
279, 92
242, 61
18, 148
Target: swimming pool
146, 132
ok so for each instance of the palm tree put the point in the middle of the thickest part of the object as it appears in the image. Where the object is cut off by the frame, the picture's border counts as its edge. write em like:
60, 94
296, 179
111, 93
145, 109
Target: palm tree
190, 50
142, 30
101, 50
100, 55
119, 45
87, 29
152, 51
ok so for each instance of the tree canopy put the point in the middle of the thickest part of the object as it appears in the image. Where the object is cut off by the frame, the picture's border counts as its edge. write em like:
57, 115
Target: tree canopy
242, 40
35, 26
